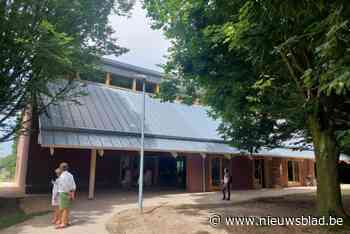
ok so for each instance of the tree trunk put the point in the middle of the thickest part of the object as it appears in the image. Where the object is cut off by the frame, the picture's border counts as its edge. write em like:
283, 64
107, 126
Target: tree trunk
329, 200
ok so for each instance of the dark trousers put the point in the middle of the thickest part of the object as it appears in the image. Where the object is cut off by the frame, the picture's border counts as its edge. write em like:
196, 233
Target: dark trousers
226, 188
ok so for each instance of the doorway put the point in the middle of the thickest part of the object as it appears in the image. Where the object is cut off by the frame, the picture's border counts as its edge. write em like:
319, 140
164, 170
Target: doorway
293, 171
259, 179
215, 172
172, 172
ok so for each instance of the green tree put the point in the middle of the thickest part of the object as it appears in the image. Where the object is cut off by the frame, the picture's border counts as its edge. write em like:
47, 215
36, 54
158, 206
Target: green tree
46, 41
271, 70
8, 167
8, 164
182, 89
169, 90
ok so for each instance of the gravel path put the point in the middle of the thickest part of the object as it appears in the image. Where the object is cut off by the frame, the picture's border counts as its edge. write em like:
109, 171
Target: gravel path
90, 216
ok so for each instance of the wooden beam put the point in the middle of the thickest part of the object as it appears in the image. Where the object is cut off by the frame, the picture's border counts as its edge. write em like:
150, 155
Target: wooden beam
157, 88
92, 174
108, 78
134, 84
52, 151
178, 99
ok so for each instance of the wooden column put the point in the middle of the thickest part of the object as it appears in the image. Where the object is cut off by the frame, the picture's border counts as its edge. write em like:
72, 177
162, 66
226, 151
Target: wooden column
203, 170
92, 174
108, 78
178, 99
134, 84
157, 88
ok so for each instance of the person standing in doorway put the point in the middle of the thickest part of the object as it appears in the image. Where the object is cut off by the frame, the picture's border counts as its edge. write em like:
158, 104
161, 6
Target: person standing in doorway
226, 188
66, 190
127, 179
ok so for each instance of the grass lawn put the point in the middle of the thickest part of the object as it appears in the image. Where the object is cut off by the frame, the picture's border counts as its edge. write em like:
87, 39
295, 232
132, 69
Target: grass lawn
11, 214
16, 217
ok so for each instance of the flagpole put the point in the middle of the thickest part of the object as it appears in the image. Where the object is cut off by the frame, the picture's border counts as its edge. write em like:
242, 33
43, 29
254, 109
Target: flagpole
142, 146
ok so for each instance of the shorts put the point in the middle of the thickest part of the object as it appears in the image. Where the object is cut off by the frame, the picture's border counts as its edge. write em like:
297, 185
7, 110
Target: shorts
64, 201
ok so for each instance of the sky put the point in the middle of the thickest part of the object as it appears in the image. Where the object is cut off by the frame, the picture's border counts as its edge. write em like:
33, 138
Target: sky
5, 149
147, 47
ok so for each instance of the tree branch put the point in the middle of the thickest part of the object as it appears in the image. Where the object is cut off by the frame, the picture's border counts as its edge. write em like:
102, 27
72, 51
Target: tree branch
292, 73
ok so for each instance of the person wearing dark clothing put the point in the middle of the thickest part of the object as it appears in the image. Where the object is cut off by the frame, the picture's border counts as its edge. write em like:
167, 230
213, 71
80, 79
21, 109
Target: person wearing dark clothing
226, 188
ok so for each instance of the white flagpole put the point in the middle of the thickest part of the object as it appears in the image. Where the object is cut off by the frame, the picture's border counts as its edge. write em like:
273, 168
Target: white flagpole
142, 146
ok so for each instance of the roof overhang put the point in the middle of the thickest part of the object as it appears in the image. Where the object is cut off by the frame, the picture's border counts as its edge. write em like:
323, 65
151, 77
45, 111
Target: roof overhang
88, 140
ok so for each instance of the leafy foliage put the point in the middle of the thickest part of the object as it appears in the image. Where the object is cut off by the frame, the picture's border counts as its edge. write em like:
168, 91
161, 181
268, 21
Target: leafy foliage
169, 90
183, 90
47, 41
8, 164
8, 167
271, 70
264, 65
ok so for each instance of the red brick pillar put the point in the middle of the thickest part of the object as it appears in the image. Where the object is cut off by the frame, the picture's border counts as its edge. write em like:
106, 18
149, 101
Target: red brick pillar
194, 179
277, 179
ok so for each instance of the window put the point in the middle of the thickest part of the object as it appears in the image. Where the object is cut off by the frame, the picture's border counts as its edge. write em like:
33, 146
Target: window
121, 81
150, 87
98, 76
293, 171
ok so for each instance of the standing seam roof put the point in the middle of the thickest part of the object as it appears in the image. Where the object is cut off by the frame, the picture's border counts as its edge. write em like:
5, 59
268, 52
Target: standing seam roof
109, 118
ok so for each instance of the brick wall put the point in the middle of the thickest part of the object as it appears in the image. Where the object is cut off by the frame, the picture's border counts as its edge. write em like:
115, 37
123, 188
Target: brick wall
307, 166
268, 171
242, 172
279, 172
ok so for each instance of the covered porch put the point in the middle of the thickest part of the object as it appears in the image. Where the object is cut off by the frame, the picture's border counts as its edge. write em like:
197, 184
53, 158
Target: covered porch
101, 170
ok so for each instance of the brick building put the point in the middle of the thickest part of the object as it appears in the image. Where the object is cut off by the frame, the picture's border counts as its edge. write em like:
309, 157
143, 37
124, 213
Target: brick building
100, 139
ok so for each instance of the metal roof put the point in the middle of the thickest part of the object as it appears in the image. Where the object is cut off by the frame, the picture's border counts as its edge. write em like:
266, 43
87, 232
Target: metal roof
292, 153
130, 71
109, 118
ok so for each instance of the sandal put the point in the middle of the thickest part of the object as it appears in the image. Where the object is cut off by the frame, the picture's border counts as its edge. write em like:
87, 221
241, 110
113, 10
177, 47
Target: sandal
61, 226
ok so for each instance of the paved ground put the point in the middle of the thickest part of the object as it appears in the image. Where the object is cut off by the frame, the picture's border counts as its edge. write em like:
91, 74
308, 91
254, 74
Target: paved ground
90, 216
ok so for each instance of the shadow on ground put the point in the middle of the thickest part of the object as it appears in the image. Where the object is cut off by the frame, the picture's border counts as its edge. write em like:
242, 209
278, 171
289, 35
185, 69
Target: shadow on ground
194, 217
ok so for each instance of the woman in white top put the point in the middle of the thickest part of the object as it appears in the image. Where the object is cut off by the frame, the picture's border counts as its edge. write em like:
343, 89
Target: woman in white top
55, 198
66, 191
